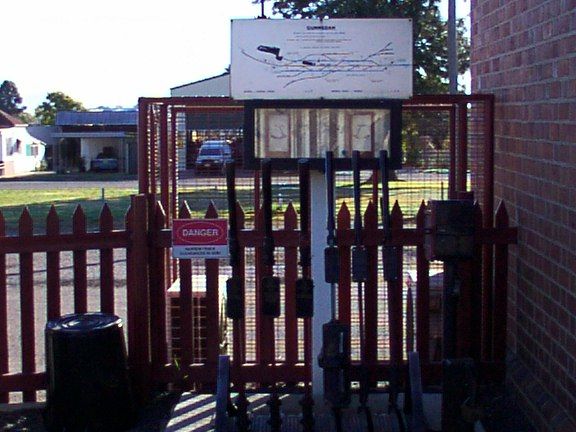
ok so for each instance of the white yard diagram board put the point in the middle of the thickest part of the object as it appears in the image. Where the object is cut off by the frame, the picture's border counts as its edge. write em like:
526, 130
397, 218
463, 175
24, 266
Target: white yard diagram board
312, 59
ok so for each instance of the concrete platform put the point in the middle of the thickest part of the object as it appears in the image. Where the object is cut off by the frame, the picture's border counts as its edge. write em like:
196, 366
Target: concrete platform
196, 412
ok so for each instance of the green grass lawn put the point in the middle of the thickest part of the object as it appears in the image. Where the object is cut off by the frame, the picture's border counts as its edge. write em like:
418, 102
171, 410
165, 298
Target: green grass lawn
408, 193
65, 201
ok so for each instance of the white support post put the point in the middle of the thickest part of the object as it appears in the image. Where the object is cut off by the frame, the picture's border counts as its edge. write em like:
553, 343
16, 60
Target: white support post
322, 295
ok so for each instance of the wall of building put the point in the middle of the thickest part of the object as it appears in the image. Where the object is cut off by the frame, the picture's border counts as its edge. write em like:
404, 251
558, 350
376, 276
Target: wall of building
20, 152
524, 52
90, 148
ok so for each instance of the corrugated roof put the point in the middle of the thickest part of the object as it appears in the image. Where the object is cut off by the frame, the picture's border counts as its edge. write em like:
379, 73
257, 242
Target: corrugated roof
108, 118
8, 121
89, 135
201, 81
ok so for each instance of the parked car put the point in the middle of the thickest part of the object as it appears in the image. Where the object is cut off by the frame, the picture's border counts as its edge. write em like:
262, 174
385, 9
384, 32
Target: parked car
106, 160
104, 164
212, 156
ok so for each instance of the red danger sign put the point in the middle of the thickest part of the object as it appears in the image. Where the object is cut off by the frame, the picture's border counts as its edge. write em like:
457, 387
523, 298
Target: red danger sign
200, 238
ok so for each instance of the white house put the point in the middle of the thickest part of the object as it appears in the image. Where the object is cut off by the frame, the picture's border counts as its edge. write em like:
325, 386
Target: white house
20, 152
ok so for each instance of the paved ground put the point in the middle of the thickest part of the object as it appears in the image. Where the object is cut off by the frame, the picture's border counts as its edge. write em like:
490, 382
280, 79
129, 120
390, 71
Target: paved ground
152, 418
197, 413
75, 181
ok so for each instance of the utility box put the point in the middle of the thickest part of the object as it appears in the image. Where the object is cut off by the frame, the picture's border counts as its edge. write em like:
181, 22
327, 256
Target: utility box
199, 341
450, 230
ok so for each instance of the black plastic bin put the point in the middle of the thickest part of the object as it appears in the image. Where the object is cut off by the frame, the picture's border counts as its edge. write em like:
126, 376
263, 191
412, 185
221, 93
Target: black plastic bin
87, 370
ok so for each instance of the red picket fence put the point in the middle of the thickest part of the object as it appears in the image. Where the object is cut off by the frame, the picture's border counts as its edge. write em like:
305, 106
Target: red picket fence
264, 350
267, 350
32, 288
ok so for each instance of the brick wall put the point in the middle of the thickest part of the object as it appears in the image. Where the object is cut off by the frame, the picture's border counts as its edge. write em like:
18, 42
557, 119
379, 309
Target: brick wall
524, 51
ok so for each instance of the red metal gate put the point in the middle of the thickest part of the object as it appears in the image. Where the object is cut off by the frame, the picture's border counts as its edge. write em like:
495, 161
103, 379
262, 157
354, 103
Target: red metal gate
150, 271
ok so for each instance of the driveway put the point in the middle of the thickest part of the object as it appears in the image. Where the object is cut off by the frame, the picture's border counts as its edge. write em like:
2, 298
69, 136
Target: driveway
73, 181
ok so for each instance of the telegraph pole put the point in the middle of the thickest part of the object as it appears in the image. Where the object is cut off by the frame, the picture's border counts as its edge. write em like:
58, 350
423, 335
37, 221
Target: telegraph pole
261, 7
452, 48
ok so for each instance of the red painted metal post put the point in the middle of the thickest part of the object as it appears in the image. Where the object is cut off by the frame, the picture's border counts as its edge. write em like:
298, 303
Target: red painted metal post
258, 273
487, 222
290, 276
138, 298
452, 172
143, 175
153, 150
173, 163
27, 304
343, 222
158, 287
165, 163
462, 156
488, 175
239, 329
185, 305
212, 303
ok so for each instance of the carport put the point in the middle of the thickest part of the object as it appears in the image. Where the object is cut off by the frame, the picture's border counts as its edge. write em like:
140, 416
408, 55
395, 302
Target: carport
82, 136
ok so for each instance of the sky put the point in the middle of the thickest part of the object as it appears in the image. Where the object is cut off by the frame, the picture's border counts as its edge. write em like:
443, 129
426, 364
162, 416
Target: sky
111, 52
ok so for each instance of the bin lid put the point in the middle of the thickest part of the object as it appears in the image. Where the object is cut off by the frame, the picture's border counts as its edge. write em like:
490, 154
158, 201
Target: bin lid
83, 322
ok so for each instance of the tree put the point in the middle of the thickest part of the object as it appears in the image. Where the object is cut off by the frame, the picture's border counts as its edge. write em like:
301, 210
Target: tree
10, 99
27, 117
430, 72
430, 32
56, 101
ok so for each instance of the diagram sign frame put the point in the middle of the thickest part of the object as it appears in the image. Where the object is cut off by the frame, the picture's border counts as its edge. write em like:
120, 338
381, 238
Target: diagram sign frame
200, 238
288, 130
322, 59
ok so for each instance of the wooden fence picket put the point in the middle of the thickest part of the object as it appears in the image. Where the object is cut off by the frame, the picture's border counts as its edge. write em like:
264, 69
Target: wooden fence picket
27, 321
80, 263
106, 222
53, 266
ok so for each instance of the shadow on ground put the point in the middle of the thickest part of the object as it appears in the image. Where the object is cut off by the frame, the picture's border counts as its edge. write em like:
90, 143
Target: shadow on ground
152, 418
